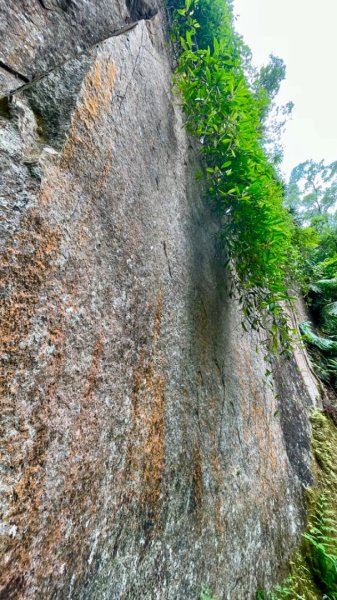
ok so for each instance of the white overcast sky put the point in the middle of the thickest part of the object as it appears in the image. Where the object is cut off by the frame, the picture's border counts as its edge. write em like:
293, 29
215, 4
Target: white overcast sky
304, 34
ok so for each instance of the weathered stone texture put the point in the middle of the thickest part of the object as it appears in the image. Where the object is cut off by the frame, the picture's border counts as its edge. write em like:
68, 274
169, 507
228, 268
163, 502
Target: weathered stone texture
143, 455
38, 35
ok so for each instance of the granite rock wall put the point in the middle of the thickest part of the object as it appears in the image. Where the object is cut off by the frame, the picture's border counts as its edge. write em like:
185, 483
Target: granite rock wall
144, 451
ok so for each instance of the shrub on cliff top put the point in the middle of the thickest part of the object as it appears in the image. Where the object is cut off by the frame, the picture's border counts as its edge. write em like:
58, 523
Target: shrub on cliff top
224, 113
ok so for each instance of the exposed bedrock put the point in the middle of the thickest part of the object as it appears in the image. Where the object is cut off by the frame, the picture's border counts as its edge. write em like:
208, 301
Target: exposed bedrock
143, 451
39, 35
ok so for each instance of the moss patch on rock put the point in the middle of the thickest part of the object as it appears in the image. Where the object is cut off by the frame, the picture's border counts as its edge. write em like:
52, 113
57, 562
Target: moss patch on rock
313, 570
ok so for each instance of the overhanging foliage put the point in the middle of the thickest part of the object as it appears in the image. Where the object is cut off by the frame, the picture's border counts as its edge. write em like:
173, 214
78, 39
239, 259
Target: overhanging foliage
224, 114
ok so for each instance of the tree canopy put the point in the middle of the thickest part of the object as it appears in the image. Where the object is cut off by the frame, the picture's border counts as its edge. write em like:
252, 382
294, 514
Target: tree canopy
312, 190
311, 195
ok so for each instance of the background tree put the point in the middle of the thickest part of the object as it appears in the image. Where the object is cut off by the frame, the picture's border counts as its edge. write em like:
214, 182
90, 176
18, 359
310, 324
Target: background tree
311, 196
312, 191
273, 116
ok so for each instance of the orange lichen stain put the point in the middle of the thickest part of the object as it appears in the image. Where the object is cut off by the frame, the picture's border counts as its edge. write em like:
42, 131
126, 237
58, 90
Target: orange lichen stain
101, 86
44, 197
146, 450
219, 479
28, 273
53, 183
25, 268
96, 102
153, 447
157, 317
80, 484
197, 480
24, 512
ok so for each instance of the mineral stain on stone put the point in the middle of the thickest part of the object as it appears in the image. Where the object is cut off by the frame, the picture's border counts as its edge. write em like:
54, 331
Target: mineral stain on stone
147, 435
95, 103
141, 455
27, 269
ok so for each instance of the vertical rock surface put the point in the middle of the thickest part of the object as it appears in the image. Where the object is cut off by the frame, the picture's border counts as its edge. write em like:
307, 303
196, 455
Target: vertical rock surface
143, 454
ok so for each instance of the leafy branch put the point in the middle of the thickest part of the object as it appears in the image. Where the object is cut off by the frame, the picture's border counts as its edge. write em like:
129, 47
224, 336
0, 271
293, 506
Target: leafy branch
224, 113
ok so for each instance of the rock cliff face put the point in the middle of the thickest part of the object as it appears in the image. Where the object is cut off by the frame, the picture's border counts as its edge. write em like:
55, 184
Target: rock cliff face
143, 451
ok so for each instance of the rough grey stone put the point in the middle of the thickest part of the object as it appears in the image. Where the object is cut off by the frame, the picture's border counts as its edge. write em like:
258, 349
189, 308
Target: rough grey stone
143, 453
39, 35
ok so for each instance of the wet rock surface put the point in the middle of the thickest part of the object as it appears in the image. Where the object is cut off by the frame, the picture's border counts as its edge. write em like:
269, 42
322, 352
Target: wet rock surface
143, 452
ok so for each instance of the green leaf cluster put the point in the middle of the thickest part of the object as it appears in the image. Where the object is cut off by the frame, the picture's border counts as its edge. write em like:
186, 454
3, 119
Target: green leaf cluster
224, 114
206, 594
326, 345
322, 538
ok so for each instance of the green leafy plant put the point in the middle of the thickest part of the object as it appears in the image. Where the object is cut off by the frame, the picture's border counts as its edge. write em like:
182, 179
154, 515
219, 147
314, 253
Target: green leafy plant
322, 538
324, 344
224, 114
280, 592
320, 556
206, 594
